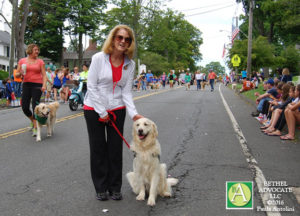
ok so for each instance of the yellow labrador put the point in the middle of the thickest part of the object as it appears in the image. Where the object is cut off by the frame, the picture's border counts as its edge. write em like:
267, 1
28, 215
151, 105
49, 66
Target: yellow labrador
149, 175
45, 114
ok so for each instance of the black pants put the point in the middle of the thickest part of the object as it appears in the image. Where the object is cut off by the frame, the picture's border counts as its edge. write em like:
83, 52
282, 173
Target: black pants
106, 152
31, 92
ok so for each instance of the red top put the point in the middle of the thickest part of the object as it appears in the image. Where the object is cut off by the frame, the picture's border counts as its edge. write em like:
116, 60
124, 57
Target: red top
33, 70
116, 72
212, 75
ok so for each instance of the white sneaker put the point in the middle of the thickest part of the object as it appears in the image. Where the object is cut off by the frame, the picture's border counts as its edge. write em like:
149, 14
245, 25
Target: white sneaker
34, 132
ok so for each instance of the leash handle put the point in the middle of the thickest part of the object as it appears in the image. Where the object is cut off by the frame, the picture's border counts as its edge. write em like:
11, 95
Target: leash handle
111, 121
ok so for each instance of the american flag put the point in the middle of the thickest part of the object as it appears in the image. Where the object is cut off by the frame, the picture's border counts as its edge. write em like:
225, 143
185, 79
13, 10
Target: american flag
235, 31
224, 51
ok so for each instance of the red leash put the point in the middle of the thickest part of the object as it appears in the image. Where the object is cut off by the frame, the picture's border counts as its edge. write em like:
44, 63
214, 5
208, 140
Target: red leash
112, 123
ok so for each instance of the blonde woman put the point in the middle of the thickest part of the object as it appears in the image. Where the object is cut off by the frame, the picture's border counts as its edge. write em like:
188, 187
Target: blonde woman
108, 94
286, 77
33, 70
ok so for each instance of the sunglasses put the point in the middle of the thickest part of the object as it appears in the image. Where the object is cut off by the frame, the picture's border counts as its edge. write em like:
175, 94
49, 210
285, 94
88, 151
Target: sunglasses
120, 38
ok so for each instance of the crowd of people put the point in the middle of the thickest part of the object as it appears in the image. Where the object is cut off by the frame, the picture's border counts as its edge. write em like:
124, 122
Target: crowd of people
57, 87
279, 107
147, 80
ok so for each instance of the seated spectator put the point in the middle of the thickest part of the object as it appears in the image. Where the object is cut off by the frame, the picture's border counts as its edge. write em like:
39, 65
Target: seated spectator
278, 121
271, 94
286, 77
278, 107
247, 85
292, 116
267, 107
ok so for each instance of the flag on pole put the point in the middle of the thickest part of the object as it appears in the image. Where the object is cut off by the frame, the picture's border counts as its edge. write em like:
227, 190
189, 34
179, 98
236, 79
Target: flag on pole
224, 51
235, 31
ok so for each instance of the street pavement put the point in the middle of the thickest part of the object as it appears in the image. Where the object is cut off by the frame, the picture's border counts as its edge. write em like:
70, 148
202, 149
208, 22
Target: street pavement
199, 146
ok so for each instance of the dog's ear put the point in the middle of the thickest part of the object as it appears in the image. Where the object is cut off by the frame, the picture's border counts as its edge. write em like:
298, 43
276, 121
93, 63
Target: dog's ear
154, 128
134, 130
36, 109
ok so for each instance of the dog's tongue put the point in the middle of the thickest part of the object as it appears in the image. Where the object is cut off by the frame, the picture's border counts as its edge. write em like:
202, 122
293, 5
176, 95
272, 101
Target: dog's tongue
141, 136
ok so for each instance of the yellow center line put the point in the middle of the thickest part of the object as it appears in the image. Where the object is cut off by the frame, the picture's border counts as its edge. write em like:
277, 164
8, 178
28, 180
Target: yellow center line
23, 130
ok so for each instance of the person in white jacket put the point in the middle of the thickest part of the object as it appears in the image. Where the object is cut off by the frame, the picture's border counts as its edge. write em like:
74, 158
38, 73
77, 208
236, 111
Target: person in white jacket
109, 85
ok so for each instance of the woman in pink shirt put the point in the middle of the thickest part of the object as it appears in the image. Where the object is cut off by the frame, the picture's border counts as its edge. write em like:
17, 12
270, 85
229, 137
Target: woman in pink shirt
34, 84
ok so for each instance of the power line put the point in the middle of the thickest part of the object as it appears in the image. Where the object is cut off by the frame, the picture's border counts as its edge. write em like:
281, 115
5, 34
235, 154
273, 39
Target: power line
210, 11
207, 6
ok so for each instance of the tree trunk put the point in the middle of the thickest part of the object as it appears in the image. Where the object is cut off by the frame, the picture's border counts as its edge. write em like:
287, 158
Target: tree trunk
21, 30
80, 50
62, 50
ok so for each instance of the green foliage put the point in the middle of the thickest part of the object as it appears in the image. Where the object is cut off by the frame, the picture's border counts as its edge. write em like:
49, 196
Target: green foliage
155, 62
3, 74
166, 33
45, 27
216, 67
262, 53
290, 59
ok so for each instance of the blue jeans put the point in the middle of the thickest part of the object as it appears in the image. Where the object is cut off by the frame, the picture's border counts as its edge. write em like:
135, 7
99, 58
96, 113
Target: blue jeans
212, 82
18, 88
198, 84
261, 103
144, 85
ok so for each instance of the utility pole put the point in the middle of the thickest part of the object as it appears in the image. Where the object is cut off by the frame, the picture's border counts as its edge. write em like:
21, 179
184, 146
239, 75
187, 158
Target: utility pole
249, 60
12, 38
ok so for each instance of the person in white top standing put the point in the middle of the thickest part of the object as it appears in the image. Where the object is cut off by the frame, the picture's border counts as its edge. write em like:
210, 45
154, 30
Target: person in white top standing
109, 85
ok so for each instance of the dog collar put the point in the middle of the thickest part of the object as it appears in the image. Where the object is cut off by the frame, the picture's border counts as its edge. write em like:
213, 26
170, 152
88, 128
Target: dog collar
41, 120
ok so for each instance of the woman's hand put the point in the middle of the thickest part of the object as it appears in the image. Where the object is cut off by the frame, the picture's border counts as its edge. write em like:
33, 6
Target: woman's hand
43, 88
105, 119
136, 117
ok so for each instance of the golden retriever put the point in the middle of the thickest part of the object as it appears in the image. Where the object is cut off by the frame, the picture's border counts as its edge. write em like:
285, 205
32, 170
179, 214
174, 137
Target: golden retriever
149, 175
45, 114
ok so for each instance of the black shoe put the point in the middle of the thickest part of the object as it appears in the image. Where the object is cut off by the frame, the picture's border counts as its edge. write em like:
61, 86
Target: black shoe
102, 196
255, 114
116, 195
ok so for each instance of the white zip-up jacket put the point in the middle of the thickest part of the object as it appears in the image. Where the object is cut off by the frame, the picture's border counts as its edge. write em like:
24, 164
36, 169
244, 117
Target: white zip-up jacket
100, 93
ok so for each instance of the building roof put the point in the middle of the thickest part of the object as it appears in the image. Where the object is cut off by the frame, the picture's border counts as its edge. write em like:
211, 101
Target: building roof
4, 37
74, 55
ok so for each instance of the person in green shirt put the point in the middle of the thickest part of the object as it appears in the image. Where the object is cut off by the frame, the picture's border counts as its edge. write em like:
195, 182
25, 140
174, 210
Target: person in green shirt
83, 77
187, 80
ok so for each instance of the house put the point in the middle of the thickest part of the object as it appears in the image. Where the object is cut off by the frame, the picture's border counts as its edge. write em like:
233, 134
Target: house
5, 50
71, 58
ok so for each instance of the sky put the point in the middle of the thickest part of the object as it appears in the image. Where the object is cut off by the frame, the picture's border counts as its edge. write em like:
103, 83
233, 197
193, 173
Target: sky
210, 23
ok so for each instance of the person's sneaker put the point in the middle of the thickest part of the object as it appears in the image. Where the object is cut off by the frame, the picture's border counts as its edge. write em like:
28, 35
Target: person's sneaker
34, 132
102, 196
255, 114
116, 195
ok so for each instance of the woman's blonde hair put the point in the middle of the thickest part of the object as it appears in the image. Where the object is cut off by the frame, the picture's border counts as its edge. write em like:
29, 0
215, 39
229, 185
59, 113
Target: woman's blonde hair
30, 47
285, 71
108, 44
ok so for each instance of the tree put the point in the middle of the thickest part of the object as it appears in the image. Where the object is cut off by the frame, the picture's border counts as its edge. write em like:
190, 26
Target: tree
290, 59
46, 27
262, 53
84, 18
155, 62
216, 67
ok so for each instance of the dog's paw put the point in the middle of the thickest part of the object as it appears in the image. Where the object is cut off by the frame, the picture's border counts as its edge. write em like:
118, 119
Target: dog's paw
167, 194
38, 139
49, 135
151, 201
140, 197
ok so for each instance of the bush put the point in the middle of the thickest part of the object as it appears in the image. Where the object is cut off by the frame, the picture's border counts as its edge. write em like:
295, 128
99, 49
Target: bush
3, 74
